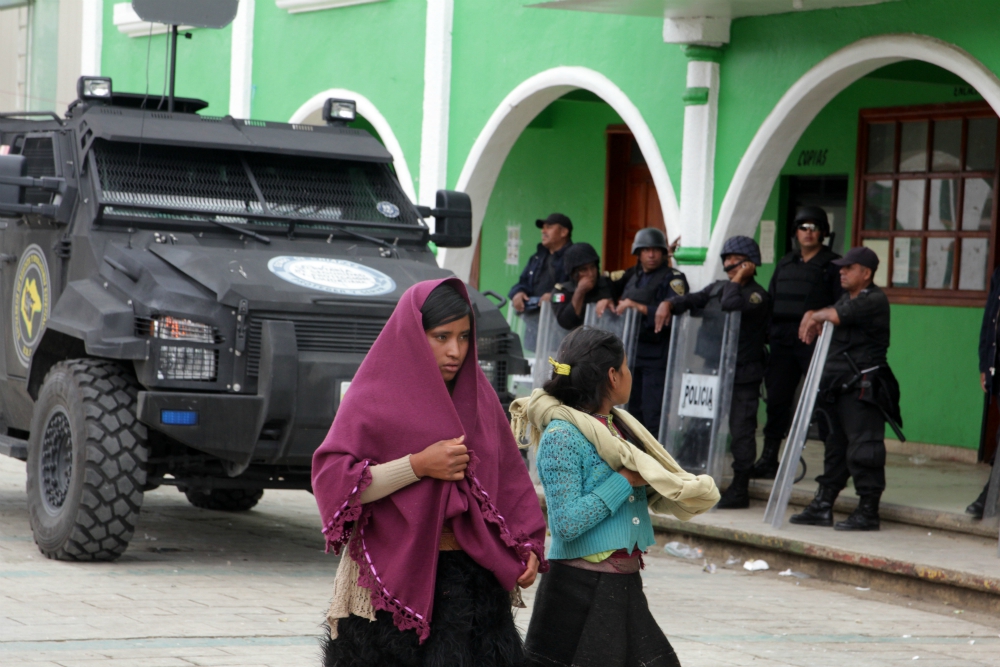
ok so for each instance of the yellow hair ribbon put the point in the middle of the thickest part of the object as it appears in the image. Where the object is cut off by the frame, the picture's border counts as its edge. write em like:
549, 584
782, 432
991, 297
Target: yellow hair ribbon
561, 369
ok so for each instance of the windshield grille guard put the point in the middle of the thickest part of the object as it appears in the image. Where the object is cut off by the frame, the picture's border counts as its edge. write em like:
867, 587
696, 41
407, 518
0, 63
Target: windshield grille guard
194, 186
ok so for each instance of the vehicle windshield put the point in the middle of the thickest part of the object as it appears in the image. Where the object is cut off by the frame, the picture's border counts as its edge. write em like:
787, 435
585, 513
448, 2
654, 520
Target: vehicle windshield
152, 183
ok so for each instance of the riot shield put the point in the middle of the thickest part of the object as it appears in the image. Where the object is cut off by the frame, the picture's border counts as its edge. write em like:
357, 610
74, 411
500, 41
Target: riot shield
781, 492
550, 336
626, 326
694, 427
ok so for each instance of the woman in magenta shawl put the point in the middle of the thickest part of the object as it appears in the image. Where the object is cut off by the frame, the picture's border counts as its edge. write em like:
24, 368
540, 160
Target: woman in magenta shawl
421, 479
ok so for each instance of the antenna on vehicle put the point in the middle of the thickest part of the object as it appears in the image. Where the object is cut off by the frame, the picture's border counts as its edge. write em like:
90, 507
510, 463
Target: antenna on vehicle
193, 13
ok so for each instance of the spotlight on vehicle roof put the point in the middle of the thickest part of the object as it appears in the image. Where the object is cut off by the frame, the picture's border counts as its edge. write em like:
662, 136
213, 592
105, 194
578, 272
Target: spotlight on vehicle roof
93, 88
339, 112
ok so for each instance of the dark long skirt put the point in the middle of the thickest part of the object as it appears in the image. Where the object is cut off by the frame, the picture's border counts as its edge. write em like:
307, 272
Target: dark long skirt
594, 619
473, 626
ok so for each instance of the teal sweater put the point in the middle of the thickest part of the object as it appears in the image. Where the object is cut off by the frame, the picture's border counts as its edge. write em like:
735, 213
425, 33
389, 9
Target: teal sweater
591, 507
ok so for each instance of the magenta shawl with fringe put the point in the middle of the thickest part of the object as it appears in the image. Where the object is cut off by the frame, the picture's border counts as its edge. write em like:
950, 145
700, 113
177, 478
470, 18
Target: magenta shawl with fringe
398, 404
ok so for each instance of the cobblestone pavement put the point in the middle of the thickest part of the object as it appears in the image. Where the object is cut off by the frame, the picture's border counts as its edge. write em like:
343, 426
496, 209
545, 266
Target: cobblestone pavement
205, 588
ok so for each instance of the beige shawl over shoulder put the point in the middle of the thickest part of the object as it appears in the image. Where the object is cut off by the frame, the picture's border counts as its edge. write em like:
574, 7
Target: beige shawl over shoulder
673, 491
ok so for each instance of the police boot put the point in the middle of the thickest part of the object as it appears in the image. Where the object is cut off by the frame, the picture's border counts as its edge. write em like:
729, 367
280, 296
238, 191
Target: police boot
820, 511
737, 496
865, 517
978, 506
767, 465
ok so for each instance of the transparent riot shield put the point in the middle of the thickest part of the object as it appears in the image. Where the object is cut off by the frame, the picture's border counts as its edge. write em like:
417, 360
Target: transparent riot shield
694, 427
550, 336
781, 492
626, 326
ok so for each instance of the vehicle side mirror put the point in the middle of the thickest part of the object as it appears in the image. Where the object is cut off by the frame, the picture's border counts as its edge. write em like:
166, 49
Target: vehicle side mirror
13, 166
453, 219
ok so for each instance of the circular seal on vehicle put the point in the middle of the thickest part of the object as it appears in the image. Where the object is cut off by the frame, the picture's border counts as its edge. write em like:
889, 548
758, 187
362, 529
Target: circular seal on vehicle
388, 209
336, 276
31, 302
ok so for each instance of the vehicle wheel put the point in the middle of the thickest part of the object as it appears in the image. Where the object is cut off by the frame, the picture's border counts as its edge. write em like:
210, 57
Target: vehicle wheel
86, 461
224, 500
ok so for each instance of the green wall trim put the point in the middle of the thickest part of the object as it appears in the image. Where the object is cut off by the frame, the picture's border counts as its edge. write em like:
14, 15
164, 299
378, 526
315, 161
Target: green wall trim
711, 54
695, 96
690, 255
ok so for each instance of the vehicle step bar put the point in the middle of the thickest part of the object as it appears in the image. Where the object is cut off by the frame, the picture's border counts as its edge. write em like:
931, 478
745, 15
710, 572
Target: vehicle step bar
14, 447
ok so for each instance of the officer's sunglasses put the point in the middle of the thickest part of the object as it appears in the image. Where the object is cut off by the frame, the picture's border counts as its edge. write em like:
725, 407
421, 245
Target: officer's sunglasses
808, 227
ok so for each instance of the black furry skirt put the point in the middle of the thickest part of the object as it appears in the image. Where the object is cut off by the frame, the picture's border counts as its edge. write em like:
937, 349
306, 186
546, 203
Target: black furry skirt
473, 626
594, 619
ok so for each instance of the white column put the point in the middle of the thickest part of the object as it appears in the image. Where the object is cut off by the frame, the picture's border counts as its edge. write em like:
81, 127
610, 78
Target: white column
437, 100
91, 37
241, 61
698, 161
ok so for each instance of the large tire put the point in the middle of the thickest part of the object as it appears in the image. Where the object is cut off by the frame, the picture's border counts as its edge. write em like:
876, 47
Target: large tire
224, 500
87, 457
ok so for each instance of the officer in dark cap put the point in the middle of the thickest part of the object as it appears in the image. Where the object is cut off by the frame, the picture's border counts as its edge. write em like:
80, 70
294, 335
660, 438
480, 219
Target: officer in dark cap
545, 268
586, 285
740, 259
858, 394
642, 288
804, 279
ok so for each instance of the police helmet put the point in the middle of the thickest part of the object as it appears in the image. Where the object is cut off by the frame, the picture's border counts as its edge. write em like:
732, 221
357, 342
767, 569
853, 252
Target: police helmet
579, 255
741, 245
650, 237
814, 214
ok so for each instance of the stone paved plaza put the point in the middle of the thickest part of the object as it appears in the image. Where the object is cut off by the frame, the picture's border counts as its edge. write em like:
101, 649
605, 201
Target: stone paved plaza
205, 588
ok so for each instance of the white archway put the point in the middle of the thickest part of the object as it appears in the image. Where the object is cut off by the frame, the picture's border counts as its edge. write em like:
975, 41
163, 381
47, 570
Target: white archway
372, 115
527, 100
762, 162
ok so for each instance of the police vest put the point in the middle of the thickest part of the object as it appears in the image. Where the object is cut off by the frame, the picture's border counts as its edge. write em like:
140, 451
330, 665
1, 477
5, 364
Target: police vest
800, 286
645, 294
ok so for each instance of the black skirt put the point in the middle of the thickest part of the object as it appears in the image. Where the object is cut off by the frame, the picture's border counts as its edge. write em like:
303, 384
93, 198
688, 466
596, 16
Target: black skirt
473, 626
594, 619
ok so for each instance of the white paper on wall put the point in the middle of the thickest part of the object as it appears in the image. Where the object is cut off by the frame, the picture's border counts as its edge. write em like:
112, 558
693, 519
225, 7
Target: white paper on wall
767, 241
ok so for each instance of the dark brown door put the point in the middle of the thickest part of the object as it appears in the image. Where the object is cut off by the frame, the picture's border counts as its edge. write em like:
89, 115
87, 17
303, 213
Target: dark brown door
631, 202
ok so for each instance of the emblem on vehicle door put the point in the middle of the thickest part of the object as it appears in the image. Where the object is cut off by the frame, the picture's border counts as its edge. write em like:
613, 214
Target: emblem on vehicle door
31, 302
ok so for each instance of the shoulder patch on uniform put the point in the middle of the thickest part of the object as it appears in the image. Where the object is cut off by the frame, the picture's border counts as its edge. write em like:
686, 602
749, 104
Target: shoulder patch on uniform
756, 298
678, 285
616, 275
557, 286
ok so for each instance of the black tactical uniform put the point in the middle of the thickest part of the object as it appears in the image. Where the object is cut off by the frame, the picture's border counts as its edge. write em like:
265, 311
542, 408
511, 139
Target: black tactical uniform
649, 370
753, 301
857, 391
578, 255
796, 287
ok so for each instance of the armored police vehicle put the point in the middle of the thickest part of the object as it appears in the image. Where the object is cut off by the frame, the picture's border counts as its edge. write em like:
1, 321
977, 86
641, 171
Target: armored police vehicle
187, 298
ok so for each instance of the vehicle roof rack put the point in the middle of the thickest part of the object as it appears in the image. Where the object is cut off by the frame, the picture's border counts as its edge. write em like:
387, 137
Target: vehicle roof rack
29, 114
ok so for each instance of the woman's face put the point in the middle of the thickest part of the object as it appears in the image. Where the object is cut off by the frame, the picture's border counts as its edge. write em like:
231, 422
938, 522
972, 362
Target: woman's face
450, 343
621, 384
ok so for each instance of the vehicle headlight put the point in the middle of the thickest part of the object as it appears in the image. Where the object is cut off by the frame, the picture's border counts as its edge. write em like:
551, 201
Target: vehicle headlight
174, 328
187, 363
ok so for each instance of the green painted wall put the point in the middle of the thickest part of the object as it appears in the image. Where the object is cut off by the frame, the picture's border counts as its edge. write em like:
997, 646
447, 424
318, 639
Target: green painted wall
376, 50
202, 63
498, 44
557, 168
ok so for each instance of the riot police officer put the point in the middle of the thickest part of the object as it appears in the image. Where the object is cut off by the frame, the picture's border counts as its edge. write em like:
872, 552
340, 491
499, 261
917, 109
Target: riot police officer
585, 286
858, 394
643, 287
740, 259
545, 267
804, 279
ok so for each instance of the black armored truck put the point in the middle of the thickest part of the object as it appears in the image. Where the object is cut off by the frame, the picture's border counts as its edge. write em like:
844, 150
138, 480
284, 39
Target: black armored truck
187, 298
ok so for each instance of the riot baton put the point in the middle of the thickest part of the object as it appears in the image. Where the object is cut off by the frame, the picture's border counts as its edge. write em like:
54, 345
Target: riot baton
781, 492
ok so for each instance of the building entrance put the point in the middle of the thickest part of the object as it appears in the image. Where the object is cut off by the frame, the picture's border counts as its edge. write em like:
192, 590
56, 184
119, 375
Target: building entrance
827, 192
631, 201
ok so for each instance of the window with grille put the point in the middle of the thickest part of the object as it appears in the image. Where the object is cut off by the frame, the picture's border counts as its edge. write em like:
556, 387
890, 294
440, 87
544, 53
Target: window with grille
926, 200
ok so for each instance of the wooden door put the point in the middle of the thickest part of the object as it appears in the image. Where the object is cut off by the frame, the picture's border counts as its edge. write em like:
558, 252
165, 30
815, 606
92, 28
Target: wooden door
631, 202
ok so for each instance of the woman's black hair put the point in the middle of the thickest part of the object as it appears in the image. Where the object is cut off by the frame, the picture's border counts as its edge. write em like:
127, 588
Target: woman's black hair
590, 353
444, 305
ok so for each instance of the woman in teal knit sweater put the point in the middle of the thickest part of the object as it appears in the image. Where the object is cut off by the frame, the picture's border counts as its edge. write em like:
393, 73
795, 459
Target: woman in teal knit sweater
590, 608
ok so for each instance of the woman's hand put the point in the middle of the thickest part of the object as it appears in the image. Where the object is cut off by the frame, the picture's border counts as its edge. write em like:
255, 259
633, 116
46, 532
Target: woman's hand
530, 572
445, 460
634, 478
